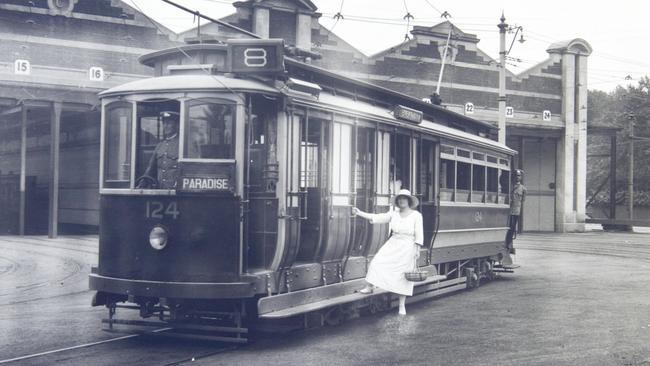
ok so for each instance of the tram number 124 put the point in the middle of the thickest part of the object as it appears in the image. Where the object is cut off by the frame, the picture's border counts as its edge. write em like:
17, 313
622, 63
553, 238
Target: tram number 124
158, 210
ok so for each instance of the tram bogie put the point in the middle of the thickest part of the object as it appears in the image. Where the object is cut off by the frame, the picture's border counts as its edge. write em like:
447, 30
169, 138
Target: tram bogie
232, 192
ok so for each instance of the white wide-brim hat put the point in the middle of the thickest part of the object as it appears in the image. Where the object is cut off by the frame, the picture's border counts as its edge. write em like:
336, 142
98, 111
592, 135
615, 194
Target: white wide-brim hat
413, 201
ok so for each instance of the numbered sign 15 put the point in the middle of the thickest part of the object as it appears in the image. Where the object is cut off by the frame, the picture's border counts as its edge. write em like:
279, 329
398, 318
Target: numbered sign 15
546, 115
22, 67
510, 112
256, 55
96, 73
469, 108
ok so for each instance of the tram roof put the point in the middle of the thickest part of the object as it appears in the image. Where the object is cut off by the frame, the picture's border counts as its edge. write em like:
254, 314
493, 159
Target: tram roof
375, 112
189, 82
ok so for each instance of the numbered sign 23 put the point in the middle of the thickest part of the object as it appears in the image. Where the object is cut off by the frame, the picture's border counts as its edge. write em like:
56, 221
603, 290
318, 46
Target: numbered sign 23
256, 55
510, 112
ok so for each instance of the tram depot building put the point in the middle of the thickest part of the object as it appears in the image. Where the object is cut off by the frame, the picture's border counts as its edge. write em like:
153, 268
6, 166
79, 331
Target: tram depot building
57, 55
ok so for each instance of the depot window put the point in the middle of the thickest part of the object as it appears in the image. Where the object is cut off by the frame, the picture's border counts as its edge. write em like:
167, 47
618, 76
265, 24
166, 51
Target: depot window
209, 130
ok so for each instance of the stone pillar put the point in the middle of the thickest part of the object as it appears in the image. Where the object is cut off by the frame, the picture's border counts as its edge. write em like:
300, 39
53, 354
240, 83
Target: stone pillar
303, 31
261, 21
564, 199
581, 134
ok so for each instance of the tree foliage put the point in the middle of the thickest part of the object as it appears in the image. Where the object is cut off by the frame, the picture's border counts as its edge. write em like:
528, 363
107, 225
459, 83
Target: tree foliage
626, 108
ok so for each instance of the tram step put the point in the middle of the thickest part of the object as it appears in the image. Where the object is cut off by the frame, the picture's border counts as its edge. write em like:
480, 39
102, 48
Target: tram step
508, 267
305, 301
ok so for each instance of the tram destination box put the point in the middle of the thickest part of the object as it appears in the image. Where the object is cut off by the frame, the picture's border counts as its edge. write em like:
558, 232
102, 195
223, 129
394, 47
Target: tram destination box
206, 178
256, 56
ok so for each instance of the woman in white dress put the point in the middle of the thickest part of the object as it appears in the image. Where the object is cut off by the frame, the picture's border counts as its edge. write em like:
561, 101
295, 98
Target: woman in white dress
400, 251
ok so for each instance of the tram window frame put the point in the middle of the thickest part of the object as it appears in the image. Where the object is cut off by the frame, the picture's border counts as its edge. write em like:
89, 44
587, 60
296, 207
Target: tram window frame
342, 146
426, 150
105, 141
186, 132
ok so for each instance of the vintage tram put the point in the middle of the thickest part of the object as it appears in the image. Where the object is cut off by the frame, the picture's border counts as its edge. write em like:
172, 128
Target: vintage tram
248, 216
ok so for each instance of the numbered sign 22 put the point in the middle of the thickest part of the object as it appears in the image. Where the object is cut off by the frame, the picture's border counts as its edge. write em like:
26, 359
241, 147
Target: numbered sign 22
256, 55
469, 108
510, 112
96, 73
546, 115
22, 67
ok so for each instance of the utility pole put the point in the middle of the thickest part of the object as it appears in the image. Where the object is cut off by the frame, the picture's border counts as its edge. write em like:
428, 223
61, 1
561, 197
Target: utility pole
503, 28
630, 182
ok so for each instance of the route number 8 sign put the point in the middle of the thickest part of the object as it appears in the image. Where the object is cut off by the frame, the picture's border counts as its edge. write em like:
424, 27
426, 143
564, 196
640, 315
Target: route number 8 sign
256, 56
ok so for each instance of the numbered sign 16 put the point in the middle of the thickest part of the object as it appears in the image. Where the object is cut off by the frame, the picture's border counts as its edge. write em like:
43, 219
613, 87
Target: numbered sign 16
256, 55
22, 67
546, 115
510, 112
469, 108
96, 73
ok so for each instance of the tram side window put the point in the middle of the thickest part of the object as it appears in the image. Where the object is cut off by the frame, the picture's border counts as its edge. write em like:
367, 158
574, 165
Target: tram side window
117, 170
210, 130
492, 185
426, 171
504, 180
400, 168
447, 179
478, 183
463, 181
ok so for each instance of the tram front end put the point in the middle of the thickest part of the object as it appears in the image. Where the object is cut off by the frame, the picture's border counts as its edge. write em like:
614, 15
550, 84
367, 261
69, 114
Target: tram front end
171, 206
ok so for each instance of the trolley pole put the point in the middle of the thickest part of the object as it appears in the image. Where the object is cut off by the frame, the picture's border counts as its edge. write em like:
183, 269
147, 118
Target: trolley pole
503, 27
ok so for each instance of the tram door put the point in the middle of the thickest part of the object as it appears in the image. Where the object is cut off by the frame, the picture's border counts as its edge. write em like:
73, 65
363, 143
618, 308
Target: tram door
262, 177
313, 187
379, 233
426, 188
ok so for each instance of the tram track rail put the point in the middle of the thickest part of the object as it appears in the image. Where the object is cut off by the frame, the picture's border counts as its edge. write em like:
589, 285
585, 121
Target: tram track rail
627, 246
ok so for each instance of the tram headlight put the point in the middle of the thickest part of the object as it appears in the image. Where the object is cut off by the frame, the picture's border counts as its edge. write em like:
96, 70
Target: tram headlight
158, 237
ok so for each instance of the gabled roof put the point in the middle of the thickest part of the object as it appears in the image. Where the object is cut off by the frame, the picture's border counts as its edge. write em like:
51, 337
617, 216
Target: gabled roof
442, 30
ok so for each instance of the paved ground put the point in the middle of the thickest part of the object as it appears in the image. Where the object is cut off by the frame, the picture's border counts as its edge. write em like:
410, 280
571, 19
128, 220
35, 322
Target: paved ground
580, 299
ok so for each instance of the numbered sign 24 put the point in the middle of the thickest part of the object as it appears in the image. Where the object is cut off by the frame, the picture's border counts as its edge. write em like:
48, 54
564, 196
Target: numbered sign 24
546, 115
469, 108
510, 112
22, 67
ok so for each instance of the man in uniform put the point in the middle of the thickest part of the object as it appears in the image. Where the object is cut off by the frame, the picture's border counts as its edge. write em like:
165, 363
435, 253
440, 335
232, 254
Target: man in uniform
517, 198
163, 165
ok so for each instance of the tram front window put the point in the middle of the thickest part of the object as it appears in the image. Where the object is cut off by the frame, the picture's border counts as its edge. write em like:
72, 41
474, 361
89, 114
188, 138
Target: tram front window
209, 130
157, 144
117, 166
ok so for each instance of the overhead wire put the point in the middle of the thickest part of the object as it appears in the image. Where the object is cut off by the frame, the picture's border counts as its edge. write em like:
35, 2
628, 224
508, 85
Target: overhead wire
155, 24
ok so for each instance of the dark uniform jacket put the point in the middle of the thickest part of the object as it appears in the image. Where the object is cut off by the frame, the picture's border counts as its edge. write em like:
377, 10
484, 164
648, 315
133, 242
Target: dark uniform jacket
164, 163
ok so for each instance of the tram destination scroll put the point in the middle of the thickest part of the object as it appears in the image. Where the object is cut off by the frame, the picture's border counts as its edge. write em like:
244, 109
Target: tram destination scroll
408, 114
197, 177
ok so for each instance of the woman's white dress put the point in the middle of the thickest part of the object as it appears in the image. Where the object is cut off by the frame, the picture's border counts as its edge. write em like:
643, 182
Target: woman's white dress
397, 255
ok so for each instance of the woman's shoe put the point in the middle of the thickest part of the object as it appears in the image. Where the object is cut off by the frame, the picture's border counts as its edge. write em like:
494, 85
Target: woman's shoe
402, 311
366, 290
